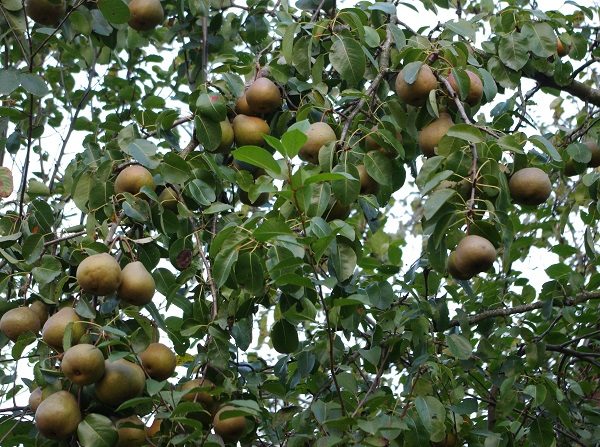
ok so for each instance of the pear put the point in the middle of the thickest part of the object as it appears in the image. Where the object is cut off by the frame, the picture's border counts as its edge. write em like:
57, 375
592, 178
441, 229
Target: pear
454, 271
132, 179
158, 361
226, 137
260, 200
263, 96
45, 12
132, 432
154, 428
35, 398
202, 397
530, 186
168, 198
416, 93
475, 87
137, 285
18, 321
561, 49
41, 310
367, 184
229, 428
431, 134
83, 364
243, 166
249, 130
145, 14
318, 135
122, 380
58, 415
99, 274
55, 327
336, 211
474, 254
372, 145
449, 441
242, 107
595, 150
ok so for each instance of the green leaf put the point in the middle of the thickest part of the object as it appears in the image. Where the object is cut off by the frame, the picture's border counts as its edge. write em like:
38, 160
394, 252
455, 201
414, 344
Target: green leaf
212, 106
459, 346
271, 229
33, 248
579, 152
381, 294
223, 264
411, 71
201, 192
34, 84
48, 270
546, 146
6, 182
9, 80
284, 337
175, 169
541, 432
292, 141
378, 167
513, 50
287, 43
115, 11
431, 412
97, 430
208, 132
466, 132
436, 201
348, 59
257, 156
540, 38
142, 151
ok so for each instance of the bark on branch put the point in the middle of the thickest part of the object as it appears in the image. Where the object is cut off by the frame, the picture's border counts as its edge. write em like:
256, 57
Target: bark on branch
575, 88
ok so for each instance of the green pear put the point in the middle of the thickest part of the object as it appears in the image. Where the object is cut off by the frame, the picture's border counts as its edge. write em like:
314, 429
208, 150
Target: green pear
35, 398
122, 380
41, 310
249, 130
230, 428
169, 198
158, 361
55, 327
145, 14
432, 133
132, 432
58, 415
263, 96
18, 321
99, 274
83, 364
318, 135
132, 179
137, 285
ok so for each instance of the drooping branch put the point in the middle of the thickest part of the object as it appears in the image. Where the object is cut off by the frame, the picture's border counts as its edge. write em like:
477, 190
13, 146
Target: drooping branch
575, 88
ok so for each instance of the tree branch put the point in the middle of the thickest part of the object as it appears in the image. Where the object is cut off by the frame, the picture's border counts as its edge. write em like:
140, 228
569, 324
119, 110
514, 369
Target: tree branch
575, 88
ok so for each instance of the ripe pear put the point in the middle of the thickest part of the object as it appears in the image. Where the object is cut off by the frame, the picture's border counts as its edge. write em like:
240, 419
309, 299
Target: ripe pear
168, 198
55, 327
242, 107
230, 428
145, 14
132, 179
154, 427
137, 284
58, 415
35, 398
41, 310
561, 49
99, 274
432, 133
530, 186
367, 184
122, 380
249, 130
158, 361
18, 321
595, 150
454, 271
263, 96
202, 397
83, 364
416, 93
260, 200
318, 135
475, 87
132, 432
45, 12
226, 137
474, 254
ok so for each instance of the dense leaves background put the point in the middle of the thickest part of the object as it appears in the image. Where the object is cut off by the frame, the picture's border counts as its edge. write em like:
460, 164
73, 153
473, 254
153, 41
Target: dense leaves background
322, 332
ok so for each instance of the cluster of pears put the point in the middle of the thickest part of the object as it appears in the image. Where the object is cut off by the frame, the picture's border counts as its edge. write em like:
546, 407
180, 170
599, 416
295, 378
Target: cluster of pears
101, 274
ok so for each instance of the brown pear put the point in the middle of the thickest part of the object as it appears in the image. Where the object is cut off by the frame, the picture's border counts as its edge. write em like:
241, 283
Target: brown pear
132, 432
83, 364
35, 398
168, 198
54, 329
474, 254
475, 87
45, 12
226, 137
432, 133
416, 93
137, 284
263, 96
158, 361
318, 135
249, 130
595, 150
367, 184
41, 310
18, 321
58, 415
454, 271
230, 428
561, 49
530, 186
242, 107
154, 428
99, 274
260, 200
132, 179
122, 380
145, 14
